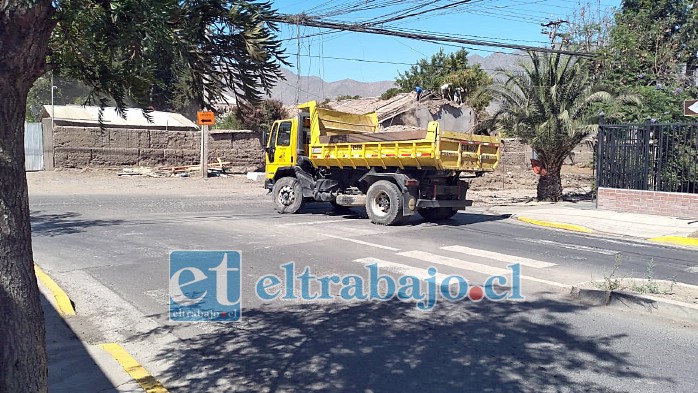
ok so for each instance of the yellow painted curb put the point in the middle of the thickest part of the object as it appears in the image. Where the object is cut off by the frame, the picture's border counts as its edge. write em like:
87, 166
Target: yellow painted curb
678, 240
559, 225
134, 369
65, 306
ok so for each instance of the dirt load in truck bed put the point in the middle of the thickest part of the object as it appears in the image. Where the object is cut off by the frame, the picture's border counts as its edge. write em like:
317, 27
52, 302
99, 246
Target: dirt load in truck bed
384, 136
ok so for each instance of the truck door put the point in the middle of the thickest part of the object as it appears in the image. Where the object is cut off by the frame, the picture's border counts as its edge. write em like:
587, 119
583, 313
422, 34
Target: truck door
280, 149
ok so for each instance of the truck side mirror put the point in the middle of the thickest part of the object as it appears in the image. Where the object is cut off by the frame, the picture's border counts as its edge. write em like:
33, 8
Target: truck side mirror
265, 138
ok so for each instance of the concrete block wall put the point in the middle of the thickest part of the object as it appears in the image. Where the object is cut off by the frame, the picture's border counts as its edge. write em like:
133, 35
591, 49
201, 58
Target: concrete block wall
670, 204
78, 147
517, 153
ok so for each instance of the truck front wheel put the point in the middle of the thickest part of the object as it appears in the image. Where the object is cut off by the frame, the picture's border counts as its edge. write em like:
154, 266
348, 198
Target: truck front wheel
436, 213
288, 195
384, 203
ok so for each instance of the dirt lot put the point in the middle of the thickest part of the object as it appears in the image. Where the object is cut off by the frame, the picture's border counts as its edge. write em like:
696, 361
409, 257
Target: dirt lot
511, 185
518, 184
104, 181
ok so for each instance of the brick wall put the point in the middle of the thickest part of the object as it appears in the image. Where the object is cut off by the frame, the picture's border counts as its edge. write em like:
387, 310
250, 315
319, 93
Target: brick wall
671, 204
78, 147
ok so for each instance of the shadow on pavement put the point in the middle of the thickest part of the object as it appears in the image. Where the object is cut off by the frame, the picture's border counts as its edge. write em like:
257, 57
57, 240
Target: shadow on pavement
461, 218
392, 347
578, 197
71, 368
64, 223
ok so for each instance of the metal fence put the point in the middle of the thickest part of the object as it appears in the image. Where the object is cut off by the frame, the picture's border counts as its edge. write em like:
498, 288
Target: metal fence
33, 147
655, 157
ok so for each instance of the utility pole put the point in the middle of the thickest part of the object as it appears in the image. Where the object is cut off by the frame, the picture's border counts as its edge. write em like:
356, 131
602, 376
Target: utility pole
552, 27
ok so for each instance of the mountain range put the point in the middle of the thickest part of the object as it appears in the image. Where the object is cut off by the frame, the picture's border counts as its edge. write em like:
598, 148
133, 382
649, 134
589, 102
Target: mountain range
314, 88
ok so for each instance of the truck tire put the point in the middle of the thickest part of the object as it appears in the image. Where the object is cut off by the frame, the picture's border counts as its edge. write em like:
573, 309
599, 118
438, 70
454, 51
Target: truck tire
384, 204
288, 195
436, 213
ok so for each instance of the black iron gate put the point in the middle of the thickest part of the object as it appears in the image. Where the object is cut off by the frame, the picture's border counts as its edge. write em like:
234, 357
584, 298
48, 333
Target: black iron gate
656, 157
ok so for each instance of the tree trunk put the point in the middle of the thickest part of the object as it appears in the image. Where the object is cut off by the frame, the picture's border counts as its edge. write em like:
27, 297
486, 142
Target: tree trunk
25, 28
550, 185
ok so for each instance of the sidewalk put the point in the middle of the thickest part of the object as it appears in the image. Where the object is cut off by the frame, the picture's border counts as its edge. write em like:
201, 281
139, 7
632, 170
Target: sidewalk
584, 217
75, 366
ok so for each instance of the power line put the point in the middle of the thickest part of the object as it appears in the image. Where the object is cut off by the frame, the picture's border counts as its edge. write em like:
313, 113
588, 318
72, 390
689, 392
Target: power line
351, 59
306, 20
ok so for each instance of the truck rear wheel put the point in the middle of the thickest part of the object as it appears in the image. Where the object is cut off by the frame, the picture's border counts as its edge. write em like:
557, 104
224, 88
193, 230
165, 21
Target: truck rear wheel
384, 203
288, 195
436, 213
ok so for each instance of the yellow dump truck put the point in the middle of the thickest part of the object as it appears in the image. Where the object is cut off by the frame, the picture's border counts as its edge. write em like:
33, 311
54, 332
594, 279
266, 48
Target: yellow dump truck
346, 159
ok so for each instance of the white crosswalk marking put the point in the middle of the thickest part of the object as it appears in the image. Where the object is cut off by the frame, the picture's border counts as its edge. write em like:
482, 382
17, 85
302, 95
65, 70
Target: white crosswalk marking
499, 257
357, 241
571, 246
453, 262
400, 268
476, 267
291, 224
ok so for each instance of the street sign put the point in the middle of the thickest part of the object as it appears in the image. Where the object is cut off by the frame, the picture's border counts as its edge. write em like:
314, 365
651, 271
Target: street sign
205, 118
690, 108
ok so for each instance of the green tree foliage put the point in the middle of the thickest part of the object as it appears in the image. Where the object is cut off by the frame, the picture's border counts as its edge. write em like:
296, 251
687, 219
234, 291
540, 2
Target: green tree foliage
390, 93
445, 68
159, 53
472, 81
39, 95
658, 104
647, 49
348, 97
430, 74
260, 117
228, 121
549, 106
652, 41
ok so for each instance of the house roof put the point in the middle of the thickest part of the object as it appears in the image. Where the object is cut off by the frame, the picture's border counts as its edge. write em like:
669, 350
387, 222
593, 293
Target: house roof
89, 116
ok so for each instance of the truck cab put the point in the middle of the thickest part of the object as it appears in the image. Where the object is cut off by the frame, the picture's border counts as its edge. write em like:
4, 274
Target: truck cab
285, 145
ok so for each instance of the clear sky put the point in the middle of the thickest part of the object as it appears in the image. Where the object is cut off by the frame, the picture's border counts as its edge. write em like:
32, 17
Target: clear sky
323, 53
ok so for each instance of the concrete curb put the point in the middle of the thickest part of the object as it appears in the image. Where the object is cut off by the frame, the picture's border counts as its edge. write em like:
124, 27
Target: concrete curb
63, 304
633, 301
553, 224
256, 176
676, 240
134, 368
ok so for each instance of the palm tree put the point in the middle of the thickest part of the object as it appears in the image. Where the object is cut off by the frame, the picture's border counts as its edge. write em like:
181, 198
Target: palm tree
547, 104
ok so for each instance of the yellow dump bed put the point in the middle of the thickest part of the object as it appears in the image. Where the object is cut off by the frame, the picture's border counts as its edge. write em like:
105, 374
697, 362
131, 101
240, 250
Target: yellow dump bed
346, 140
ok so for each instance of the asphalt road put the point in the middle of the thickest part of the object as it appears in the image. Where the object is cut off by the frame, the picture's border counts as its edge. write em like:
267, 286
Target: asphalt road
110, 253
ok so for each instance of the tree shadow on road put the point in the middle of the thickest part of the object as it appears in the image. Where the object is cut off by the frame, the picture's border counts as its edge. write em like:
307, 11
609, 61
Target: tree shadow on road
68, 223
392, 347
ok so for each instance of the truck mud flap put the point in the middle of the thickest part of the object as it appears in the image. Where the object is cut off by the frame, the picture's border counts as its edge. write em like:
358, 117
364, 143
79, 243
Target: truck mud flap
307, 182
